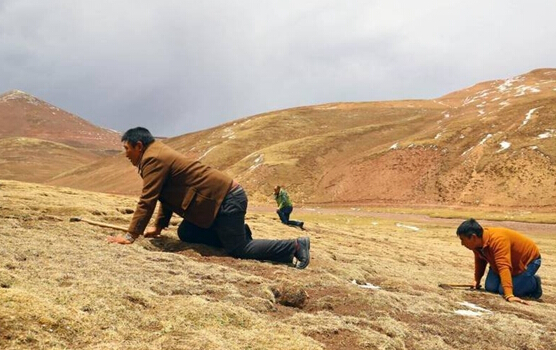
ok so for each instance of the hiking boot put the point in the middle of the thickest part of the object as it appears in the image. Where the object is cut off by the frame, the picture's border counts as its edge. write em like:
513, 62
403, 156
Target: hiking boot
538, 293
302, 246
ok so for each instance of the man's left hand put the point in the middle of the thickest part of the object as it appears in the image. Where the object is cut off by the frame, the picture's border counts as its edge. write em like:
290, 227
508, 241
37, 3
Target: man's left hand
515, 299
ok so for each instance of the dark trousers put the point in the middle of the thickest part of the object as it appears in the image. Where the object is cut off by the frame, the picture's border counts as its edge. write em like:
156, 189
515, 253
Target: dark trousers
284, 215
230, 232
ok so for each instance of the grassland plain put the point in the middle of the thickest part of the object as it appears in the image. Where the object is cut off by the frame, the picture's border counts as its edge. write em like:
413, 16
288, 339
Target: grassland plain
62, 286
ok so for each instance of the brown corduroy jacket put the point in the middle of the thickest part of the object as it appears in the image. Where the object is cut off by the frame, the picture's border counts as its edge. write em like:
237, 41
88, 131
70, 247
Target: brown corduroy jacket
183, 186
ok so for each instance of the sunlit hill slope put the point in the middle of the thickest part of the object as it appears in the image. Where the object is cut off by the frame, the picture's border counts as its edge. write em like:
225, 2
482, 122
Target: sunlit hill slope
490, 144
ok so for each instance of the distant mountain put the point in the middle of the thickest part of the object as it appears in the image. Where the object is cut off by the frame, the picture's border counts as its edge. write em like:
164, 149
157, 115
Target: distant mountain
491, 144
23, 115
39, 140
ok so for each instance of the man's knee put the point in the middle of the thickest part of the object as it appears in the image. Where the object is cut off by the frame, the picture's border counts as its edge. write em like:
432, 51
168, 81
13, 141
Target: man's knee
493, 286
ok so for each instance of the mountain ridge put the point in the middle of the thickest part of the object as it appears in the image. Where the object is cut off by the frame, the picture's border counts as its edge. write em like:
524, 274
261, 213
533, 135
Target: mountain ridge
485, 145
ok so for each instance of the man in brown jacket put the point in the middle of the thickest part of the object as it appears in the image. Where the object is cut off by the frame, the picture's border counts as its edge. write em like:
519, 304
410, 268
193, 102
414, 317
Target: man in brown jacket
211, 203
514, 260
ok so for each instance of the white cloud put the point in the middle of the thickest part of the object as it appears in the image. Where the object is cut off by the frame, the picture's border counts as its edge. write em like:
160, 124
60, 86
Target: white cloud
180, 66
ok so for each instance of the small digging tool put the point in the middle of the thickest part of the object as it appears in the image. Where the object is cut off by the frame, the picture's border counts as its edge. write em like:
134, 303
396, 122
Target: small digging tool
454, 285
96, 223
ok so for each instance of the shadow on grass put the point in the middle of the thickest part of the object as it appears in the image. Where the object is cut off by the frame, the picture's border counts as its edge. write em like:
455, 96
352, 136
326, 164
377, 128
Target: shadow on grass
173, 245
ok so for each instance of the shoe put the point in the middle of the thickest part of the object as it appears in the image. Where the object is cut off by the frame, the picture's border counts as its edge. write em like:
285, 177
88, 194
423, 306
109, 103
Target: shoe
538, 293
301, 225
302, 246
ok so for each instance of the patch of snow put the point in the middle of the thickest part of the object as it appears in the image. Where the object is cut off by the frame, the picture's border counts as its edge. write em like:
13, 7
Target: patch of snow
228, 133
523, 89
469, 150
528, 116
207, 152
481, 112
406, 226
366, 285
549, 133
504, 145
437, 136
504, 104
468, 313
475, 312
257, 162
394, 146
485, 139
473, 306
508, 83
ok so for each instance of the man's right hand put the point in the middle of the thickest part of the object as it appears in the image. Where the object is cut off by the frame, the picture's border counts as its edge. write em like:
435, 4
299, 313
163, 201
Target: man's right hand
152, 232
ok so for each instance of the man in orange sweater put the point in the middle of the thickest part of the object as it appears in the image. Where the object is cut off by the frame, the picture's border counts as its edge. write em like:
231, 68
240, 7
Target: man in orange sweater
514, 260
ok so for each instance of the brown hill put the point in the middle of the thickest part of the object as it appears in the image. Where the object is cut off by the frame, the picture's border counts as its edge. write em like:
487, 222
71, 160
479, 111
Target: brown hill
23, 115
490, 144
40, 141
34, 160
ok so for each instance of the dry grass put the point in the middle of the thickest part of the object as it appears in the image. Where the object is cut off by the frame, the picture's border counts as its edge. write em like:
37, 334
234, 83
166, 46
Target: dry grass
62, 286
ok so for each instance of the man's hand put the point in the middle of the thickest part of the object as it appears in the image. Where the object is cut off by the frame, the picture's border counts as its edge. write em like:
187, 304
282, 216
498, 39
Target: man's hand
476, 284
514, 299
152, 232
118, 239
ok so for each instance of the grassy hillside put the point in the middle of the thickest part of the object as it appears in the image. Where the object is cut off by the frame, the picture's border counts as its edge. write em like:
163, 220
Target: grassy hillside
490, 145
63, 286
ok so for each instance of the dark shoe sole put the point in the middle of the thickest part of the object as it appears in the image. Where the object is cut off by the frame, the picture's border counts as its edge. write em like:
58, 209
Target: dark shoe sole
307, 241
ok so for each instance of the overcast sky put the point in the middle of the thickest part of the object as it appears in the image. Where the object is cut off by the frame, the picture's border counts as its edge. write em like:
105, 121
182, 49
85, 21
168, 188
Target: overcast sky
182, 66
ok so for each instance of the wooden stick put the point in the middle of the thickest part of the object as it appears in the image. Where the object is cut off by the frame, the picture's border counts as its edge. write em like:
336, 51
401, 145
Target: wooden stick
454, 285
101, 224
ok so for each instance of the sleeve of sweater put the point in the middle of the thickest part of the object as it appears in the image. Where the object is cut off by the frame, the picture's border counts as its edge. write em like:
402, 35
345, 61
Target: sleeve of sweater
480, 266
501, 248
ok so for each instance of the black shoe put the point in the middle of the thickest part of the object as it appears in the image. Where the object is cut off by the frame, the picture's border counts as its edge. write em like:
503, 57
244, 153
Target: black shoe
302, 246
538, 293
301, 225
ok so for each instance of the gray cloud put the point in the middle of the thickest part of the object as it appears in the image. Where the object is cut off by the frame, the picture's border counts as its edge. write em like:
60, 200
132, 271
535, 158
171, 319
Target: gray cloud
182, 66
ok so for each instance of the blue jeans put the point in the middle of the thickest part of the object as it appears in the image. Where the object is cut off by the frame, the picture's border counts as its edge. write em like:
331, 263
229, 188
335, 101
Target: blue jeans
525, 284
284, 215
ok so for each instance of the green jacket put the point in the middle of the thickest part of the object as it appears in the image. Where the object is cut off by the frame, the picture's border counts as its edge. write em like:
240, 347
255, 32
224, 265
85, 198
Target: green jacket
283, 199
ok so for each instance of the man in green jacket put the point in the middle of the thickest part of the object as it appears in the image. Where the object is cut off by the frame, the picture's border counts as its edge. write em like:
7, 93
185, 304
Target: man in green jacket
211, 203
285, 207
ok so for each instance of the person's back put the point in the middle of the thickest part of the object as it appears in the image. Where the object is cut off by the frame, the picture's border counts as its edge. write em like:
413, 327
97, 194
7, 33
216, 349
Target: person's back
503, 244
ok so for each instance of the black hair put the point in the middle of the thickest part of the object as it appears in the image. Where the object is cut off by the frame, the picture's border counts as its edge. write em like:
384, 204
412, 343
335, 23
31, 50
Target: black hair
469, 228
138, 134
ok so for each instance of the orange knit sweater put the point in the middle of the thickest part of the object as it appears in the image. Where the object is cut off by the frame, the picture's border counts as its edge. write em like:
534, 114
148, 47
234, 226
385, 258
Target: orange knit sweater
508, 252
